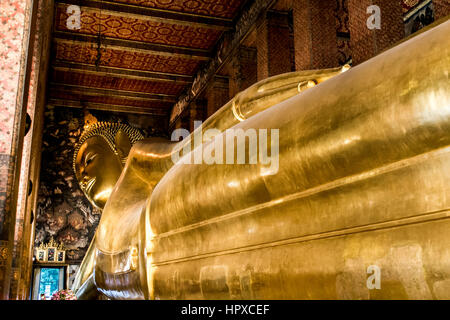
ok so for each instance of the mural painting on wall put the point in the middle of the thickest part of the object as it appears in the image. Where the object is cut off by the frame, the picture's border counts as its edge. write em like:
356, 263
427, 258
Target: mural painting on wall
417, 14
343, 32
63, 212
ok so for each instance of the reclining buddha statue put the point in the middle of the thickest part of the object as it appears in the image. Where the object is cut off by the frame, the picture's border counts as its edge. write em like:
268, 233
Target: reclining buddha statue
361, 188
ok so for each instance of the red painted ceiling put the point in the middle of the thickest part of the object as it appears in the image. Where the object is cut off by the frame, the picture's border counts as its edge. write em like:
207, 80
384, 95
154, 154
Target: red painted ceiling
215, 8
130, 37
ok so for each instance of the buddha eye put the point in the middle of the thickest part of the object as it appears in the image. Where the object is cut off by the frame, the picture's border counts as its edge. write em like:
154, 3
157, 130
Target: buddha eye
89, 159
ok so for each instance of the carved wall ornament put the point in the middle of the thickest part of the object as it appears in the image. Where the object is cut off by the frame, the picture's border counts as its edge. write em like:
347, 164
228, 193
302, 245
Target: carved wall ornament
51, 252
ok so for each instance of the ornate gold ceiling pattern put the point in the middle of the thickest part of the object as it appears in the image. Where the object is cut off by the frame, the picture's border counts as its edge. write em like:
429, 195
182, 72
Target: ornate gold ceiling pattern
140, 30
214, 8
86, 53
134, 53
116, 83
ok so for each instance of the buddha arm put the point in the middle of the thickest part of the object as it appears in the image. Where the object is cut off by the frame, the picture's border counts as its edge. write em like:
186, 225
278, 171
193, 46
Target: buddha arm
86, 268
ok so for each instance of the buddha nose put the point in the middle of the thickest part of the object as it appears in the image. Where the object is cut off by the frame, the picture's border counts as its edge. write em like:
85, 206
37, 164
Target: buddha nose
84, 174
84, 180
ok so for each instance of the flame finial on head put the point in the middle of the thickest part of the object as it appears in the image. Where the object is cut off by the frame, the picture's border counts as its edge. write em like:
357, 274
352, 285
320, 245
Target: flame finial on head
89, 119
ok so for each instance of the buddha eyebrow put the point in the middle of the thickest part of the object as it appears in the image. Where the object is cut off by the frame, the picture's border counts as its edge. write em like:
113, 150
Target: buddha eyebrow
85, 157
89, 155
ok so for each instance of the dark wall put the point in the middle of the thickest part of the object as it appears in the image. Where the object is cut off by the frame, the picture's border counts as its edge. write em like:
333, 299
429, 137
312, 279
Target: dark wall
63, 212
417, 19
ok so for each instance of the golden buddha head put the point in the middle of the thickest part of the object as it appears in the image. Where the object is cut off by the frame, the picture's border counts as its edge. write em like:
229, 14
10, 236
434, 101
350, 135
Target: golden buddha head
99, 158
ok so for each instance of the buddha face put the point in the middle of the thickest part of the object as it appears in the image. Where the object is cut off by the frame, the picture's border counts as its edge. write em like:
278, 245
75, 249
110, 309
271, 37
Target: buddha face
97, 169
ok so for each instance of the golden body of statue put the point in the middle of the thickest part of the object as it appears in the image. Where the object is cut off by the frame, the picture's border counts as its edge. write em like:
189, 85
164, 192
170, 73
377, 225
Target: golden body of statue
362, 185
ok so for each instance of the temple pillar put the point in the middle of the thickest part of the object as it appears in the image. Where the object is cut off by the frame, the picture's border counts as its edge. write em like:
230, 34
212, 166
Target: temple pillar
441, 8
217, 95
197, 112
243, 70
315, 38
273, 45
17, 32
366, 43
181, 123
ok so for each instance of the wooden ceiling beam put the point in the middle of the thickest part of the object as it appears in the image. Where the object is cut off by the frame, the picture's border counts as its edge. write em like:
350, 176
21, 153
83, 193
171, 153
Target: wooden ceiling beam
108, 107
59, 65
157, 15
132, 45
89, 91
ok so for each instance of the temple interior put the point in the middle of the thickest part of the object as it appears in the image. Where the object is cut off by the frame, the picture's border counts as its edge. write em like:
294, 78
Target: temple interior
93, 92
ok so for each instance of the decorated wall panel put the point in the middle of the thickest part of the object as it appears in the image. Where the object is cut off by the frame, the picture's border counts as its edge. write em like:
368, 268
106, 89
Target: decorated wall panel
408, 5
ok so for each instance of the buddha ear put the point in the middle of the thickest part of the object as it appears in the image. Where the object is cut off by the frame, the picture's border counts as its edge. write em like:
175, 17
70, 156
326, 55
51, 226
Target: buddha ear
123, 144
